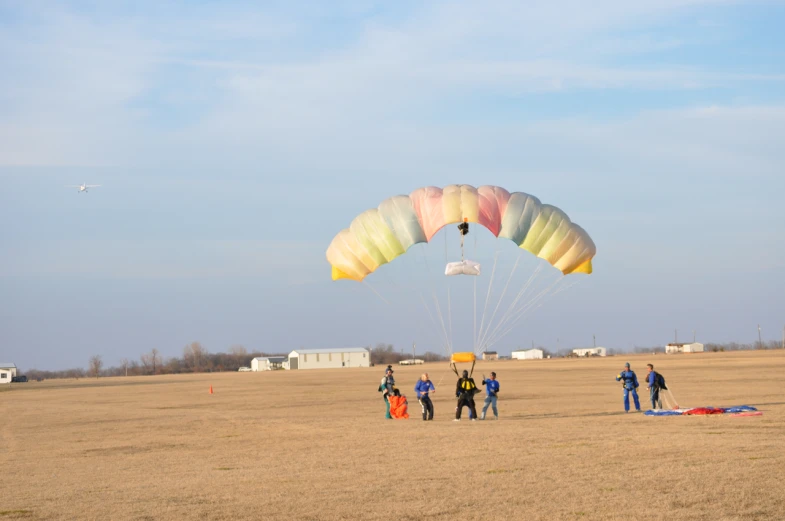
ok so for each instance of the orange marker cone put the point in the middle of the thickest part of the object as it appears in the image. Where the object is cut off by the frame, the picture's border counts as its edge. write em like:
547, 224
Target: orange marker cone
211, 389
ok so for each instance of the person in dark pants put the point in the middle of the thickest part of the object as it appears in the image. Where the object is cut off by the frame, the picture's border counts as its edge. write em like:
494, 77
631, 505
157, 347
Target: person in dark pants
424, 387
464, 391
630, 380
654, 387
387, 387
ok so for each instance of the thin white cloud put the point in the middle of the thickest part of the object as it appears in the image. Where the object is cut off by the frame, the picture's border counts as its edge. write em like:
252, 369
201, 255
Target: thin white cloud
81, 82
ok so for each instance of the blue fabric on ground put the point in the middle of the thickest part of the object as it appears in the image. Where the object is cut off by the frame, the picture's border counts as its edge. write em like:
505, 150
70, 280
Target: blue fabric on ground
651, 412
740, 408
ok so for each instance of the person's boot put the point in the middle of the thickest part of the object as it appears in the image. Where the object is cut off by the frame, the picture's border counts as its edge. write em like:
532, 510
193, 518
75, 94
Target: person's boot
482, 417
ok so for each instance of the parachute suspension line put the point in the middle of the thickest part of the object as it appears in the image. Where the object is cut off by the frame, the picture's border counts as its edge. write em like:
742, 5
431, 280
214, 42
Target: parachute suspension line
518, 313
514, 304
449, 313
441, 319
442, 331
528, 307
422, 323
501, 297
442, 341
442, 376
488, 294
517, 298
474, 316
565, 288
375, 292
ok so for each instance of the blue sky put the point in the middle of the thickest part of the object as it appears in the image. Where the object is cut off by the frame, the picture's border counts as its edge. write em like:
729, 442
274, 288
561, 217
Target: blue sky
233, 140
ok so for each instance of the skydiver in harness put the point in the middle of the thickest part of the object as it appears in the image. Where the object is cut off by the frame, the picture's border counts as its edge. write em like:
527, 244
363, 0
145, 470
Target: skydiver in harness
630, 382
464, 391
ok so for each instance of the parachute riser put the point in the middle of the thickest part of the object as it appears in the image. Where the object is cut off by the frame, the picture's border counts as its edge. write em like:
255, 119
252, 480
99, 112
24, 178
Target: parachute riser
455, 369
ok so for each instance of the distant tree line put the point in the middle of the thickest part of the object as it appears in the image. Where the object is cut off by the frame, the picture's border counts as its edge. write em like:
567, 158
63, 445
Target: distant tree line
384, 354
197, 359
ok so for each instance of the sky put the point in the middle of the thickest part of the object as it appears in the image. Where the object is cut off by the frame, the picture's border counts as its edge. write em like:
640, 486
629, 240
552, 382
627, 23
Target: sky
233, 140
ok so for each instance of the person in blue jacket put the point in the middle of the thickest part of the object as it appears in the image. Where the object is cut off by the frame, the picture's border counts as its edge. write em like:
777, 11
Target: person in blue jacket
654, 387
630, 380
491, 391
424, 388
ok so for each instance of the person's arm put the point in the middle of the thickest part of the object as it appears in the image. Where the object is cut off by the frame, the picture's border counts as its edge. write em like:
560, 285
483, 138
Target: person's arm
498, 386
431, 386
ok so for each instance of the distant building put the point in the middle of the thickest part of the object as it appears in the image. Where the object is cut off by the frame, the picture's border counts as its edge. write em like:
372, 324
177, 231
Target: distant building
328, 358
412, 361
694, 347
267, 363
490, 355
591, 351
527, 354
7, 373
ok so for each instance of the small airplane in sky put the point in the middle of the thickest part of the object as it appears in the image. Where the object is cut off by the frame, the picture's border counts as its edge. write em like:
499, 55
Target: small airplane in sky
83, 187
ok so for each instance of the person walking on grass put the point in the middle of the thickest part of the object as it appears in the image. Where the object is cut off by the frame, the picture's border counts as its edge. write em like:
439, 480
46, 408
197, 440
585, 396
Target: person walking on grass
424, 388
630, 382
464, 391
491, 390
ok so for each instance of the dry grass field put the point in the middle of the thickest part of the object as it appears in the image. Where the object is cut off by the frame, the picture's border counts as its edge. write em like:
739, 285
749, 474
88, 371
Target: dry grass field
313, 445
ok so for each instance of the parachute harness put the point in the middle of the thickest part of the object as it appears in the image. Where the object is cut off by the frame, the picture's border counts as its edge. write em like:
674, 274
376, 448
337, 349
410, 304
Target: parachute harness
464, 229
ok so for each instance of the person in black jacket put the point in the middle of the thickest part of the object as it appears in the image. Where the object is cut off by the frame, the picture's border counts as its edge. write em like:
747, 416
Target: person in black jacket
464, 391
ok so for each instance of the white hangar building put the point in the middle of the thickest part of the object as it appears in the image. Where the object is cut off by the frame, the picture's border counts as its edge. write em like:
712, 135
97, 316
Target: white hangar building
528, 354
328, 358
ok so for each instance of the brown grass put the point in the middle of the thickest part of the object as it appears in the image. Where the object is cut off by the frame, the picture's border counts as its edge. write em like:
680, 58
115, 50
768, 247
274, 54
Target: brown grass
313, 445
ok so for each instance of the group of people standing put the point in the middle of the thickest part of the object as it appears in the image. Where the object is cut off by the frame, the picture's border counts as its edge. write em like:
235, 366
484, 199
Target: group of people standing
465, 390
654, 384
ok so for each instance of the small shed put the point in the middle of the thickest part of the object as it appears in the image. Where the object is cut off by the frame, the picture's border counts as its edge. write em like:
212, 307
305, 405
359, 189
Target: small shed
329, 358
490, 355
267, 363
7, 372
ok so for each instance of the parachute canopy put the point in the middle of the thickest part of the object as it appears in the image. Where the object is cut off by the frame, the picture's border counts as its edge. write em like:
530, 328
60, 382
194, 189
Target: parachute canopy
378, 236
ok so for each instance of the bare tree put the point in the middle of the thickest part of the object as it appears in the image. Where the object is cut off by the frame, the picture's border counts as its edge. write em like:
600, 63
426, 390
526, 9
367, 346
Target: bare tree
124, 365
194, 354
145, 359
238, 350
95, 365
155, 359
240, 355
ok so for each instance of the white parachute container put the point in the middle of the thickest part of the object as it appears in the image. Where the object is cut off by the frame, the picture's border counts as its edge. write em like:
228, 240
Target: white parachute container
464, 267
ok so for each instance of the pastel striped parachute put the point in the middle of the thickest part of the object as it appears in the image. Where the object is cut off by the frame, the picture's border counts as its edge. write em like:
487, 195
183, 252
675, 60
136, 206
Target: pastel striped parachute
377, 236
